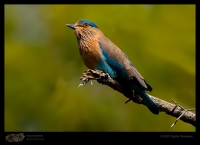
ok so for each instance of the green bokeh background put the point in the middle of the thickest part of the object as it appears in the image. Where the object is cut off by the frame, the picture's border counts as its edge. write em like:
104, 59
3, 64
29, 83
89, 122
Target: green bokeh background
43, 67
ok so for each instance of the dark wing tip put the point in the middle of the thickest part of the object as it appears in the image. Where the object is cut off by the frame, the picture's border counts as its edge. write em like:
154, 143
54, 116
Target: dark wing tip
154, 110
149, 88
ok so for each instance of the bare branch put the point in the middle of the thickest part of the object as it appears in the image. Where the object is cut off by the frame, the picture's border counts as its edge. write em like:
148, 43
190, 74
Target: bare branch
185, 110
169, 108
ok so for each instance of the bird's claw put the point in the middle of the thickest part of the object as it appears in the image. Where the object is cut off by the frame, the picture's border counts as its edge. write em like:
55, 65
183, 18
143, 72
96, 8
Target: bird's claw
80, 85
83, 82
127, 101
90, 75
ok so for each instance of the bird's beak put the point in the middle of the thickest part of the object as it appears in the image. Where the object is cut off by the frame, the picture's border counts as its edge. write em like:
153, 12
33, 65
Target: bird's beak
72, 26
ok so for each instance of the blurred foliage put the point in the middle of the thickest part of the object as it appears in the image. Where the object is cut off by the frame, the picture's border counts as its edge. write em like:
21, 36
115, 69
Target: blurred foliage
43, 66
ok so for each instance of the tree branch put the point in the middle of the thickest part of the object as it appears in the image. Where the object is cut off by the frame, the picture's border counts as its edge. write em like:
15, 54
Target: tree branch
174, 110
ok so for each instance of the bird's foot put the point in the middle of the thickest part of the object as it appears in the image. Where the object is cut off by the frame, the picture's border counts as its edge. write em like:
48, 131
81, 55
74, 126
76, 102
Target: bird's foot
128, 100
89, 75
83, 82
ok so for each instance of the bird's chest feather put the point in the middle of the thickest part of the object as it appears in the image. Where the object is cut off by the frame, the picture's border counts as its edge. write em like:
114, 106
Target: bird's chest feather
90, 52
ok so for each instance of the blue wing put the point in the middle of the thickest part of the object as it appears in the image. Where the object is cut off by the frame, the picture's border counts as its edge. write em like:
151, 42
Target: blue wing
119, 62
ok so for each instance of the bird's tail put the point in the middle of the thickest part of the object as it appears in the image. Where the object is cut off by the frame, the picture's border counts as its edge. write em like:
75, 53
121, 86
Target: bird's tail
137, 90
148, 102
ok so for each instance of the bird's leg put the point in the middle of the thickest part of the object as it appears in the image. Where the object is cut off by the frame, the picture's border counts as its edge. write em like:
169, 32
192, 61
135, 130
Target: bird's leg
134, 97
127, 91
128, 100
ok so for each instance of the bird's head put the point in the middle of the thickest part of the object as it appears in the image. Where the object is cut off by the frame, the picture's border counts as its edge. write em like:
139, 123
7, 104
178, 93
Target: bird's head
82, 23
85, 29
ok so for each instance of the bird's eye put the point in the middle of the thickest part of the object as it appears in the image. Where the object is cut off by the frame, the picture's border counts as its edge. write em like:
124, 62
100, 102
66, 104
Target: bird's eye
86, 24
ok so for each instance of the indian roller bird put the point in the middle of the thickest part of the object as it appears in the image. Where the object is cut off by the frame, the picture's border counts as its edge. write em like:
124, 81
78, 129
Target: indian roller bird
99, 52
